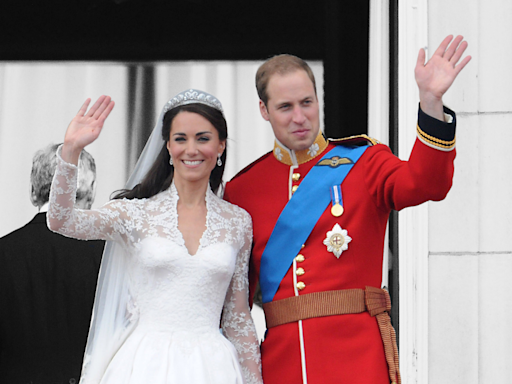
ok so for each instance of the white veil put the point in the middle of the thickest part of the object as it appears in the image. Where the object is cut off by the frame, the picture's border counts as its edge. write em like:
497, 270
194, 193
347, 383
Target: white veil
114, 314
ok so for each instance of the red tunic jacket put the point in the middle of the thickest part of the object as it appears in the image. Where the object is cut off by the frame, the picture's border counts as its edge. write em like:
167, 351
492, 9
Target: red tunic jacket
343, 348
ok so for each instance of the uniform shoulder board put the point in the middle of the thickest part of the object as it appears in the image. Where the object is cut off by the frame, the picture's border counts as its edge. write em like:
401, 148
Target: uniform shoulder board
355, 140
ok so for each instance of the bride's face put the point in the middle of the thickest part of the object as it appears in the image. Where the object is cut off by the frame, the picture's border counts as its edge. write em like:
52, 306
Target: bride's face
194, 145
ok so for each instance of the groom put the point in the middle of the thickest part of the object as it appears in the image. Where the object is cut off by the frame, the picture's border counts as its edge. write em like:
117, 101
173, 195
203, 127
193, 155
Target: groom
319, 210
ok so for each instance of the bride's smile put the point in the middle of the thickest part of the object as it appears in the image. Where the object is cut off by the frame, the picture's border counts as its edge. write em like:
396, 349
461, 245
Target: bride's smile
194, 146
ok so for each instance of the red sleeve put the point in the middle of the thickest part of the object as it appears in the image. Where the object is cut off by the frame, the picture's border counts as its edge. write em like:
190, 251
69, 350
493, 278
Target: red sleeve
396, 184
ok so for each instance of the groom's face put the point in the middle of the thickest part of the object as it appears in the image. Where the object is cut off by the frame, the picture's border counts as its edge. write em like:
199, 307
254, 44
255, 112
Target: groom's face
292, 109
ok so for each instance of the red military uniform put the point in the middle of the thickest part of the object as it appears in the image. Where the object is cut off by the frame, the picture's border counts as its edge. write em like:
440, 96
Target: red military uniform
342, 348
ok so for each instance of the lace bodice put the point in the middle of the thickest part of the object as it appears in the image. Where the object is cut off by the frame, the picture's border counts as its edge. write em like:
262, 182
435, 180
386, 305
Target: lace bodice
169, 288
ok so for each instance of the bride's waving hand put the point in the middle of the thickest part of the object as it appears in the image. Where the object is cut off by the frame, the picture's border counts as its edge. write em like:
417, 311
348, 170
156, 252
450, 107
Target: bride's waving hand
85, 127
62, 214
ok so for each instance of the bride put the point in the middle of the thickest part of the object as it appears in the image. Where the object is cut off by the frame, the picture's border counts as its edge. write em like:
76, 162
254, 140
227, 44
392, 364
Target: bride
175, 266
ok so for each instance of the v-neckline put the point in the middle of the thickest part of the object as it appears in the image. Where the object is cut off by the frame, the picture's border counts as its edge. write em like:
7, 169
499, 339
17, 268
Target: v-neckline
203, 235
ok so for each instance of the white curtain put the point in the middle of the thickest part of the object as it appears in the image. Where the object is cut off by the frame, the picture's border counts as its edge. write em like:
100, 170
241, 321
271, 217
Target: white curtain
38, 100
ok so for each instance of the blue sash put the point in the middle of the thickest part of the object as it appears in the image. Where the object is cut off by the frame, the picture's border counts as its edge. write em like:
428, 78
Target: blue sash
301, 214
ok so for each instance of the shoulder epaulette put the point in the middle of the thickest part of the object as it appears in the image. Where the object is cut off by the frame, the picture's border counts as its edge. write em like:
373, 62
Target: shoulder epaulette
252, 165
355, 140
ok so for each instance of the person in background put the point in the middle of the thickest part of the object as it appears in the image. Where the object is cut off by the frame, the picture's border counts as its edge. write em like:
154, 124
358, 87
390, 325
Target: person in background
47, 285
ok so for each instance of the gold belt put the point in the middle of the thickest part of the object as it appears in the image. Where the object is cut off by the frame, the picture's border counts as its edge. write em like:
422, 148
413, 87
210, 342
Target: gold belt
347, 301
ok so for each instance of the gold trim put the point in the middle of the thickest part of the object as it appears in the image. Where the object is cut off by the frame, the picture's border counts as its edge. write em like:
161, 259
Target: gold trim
283, 154
349, 138
434, 140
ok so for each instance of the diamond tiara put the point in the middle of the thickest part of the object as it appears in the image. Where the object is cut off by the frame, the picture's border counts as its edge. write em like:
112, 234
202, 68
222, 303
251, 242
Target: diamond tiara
193, 96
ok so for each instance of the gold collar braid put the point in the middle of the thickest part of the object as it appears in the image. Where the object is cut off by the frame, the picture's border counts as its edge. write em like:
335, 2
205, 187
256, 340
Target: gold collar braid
291, 157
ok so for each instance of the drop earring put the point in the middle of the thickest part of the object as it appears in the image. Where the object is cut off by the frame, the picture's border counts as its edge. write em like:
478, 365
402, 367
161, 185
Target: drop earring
219, 161
170, 160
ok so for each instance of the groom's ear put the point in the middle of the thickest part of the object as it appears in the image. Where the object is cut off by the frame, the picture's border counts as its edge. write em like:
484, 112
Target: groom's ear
263, 110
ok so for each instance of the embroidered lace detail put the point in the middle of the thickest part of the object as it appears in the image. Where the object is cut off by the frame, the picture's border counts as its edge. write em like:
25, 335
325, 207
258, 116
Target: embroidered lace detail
170, 290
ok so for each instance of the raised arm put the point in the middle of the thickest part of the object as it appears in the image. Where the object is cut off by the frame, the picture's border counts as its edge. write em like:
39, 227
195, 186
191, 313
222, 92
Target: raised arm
237, 323
62, 216
436, 76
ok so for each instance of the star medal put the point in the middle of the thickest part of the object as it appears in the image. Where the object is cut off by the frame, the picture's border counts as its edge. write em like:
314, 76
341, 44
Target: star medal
337, 207
337, 240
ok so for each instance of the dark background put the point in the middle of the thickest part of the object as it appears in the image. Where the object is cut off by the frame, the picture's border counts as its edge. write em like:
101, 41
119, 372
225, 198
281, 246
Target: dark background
163, 30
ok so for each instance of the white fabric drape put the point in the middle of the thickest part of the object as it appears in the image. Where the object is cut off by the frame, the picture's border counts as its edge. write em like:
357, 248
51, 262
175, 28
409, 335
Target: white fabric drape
37, 102
249, 136
39, 99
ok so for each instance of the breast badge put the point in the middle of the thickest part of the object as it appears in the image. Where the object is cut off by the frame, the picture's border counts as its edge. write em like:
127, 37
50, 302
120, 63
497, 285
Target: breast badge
337, 240
335, 161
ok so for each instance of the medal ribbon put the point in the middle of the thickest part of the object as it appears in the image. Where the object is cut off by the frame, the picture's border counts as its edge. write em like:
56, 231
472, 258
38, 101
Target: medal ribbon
301, 214
337, 198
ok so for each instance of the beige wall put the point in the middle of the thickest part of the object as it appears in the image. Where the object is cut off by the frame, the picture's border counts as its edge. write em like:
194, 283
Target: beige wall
470, 232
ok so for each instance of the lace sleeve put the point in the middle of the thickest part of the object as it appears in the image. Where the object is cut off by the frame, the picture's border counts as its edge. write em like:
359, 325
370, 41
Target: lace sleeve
64, 218
237, 323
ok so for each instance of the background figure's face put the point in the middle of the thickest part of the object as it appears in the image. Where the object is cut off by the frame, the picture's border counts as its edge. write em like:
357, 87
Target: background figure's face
292, 109
194, 145
86, 189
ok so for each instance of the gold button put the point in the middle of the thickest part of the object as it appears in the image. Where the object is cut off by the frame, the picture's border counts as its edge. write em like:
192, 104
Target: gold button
296, 176
294, 188
300, 271
303, 245
300, 258
301, 285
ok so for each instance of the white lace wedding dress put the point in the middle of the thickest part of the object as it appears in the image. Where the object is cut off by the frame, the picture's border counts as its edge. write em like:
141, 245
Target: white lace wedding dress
176, 298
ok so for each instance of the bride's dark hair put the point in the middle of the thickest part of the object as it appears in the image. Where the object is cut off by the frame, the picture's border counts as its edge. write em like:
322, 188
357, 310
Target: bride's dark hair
160, 175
